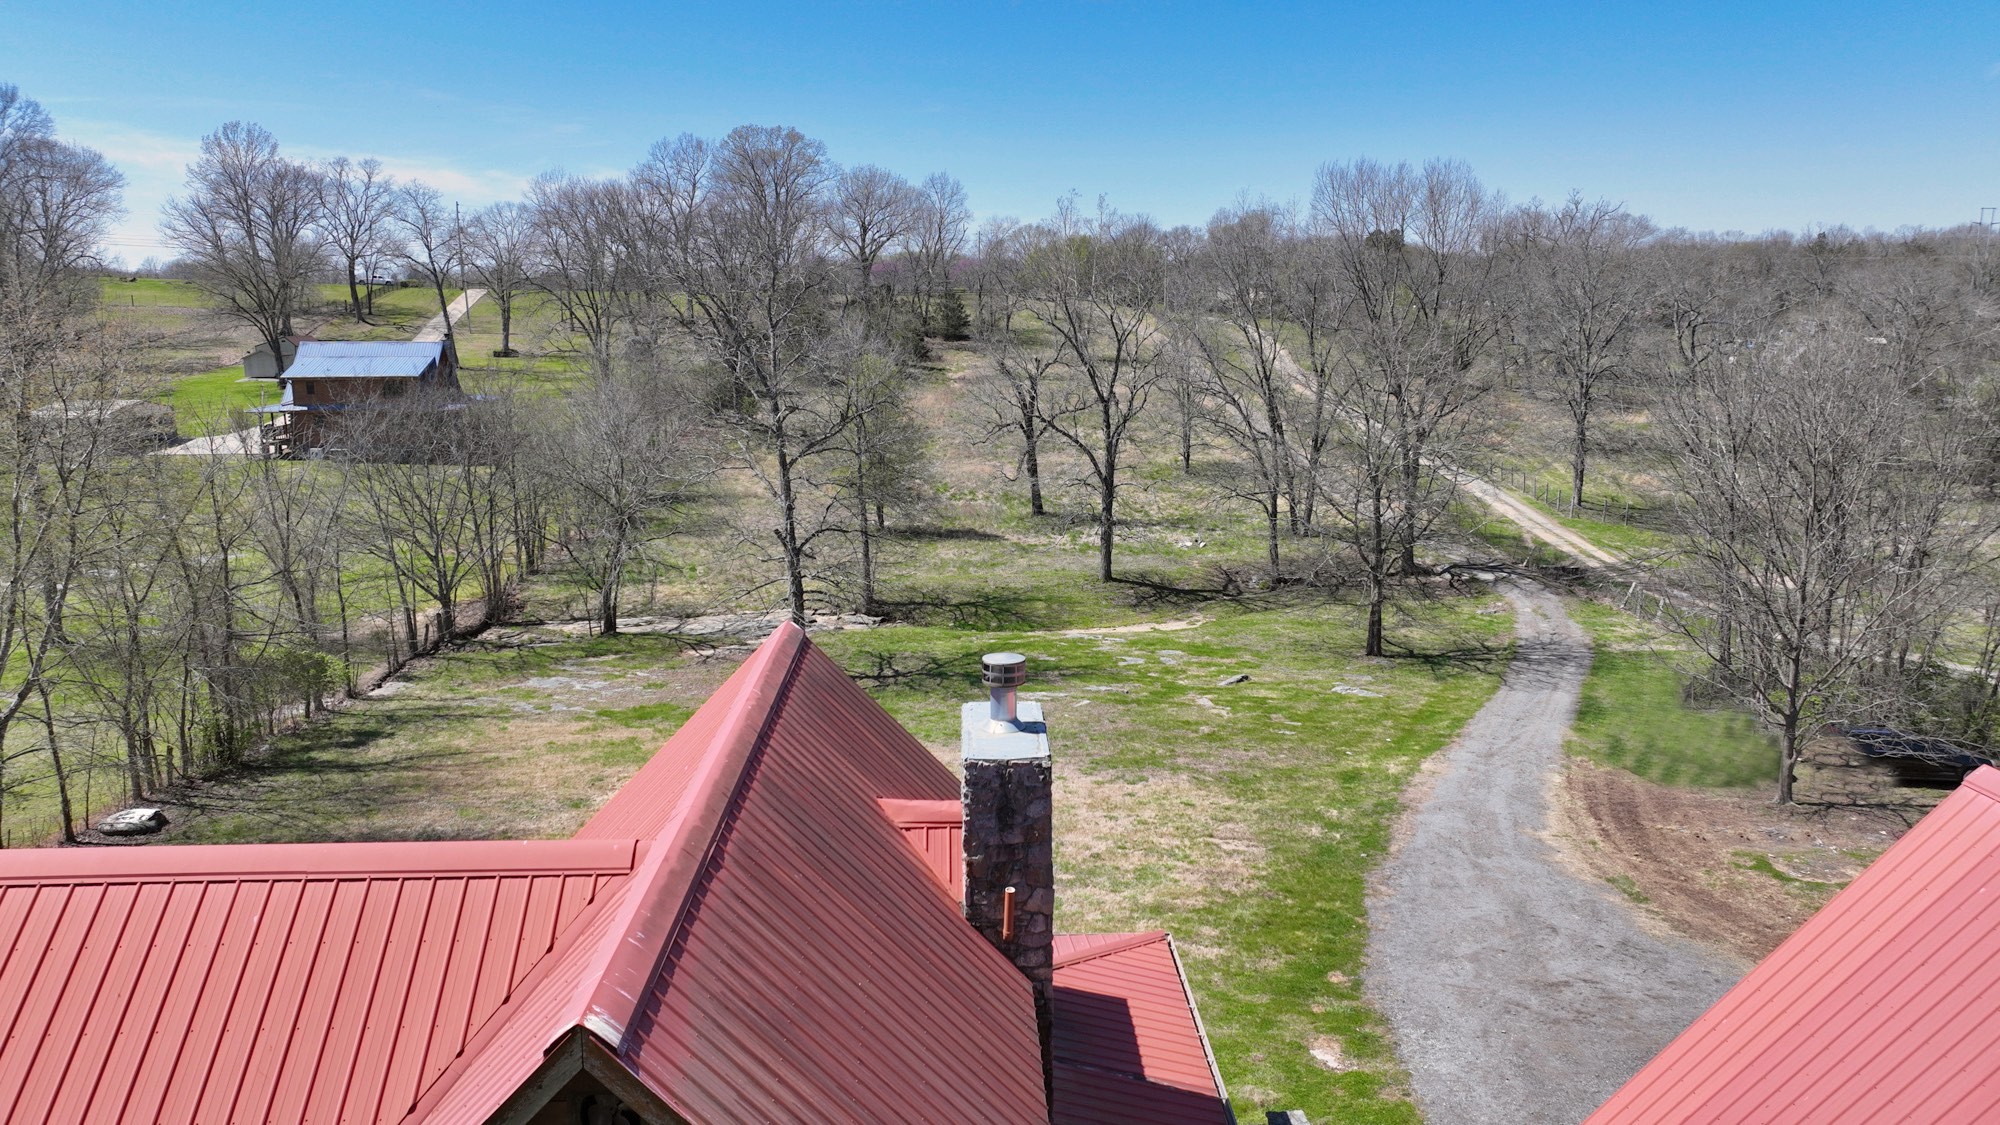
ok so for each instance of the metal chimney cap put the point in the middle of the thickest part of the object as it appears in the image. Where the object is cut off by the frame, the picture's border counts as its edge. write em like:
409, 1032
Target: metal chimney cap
1003, 669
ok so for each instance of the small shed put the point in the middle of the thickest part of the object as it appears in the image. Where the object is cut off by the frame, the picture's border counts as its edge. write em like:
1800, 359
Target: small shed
259, 364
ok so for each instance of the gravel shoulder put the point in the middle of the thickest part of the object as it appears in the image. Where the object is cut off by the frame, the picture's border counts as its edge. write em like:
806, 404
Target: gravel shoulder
1518, 992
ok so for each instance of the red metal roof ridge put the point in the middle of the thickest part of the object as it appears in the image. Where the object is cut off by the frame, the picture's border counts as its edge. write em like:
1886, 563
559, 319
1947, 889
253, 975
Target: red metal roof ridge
317, 861
1124, 942
1200, 1028
617, 980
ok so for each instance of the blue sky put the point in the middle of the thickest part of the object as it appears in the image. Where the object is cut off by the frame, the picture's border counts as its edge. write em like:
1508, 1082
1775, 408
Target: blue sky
1739, 116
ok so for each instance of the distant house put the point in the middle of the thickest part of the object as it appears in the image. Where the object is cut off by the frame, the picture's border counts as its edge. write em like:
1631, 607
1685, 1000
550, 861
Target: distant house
258, 363
332, 379
793, 913
1880, 1008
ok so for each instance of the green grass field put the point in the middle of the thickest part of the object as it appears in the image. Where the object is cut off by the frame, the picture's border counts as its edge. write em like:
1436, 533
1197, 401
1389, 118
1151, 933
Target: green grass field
398, 313
210, 403
1243, 818
1633, 715
151, 292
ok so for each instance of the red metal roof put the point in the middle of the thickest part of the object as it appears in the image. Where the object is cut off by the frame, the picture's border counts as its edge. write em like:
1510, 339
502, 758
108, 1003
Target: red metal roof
1128, 1044
290, 982
747, 925
1880, 1008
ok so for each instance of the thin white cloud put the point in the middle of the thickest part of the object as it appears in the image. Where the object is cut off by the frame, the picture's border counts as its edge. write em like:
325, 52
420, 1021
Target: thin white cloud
472, 186
155, 170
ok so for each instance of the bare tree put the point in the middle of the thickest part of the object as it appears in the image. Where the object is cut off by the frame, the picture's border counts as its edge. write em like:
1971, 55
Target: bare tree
581, 259
247, 229
1228, 323
56, 200
419, 468
1019, 347
737, 234
933, 242
355, 205
58, 368
883, 447
873, 209
1408, 244
624, 456
1584, 298
1098, 284
499, 254
433, 244
1802, 515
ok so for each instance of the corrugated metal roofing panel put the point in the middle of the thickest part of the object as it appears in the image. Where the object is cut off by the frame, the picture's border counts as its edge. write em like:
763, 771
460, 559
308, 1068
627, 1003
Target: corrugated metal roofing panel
1880, 1008
811, 918
1127, 1044
352, 359
258, 983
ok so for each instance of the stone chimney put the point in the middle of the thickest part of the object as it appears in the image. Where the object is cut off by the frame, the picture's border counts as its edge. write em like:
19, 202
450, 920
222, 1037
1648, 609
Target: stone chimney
1010, 877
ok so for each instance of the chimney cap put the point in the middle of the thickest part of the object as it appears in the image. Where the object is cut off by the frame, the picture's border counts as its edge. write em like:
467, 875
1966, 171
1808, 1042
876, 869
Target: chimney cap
1003, 669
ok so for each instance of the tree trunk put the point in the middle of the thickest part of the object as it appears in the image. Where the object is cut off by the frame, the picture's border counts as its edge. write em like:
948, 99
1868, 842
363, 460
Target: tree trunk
353, 290
607, 608
1031, 464
1408, 534
1377, 595
1579, 451
788, 530
56, 765
1788, 758
1271, 529
1106, 523
444, 310
507, 327
867, 568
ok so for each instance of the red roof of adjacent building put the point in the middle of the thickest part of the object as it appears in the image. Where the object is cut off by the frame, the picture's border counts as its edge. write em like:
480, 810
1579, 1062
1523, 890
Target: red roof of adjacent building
1880, 1008
760, 927
1128, 1044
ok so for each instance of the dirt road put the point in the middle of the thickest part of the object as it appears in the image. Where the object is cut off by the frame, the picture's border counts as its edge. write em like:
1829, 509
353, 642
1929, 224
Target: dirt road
1520, 993
433, 329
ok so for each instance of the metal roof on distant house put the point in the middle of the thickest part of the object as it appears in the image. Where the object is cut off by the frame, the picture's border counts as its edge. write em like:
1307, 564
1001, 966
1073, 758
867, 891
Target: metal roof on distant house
364, 359
1880, 1008
744, 929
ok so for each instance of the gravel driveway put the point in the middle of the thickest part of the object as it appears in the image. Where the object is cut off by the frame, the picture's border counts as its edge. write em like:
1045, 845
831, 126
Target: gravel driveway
1519, 993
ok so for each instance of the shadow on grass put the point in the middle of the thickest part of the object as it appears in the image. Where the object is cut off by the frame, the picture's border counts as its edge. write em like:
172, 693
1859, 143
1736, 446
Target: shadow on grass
936, 534
1470, 656
318, 783
962, 609
916, 670
1159, 590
